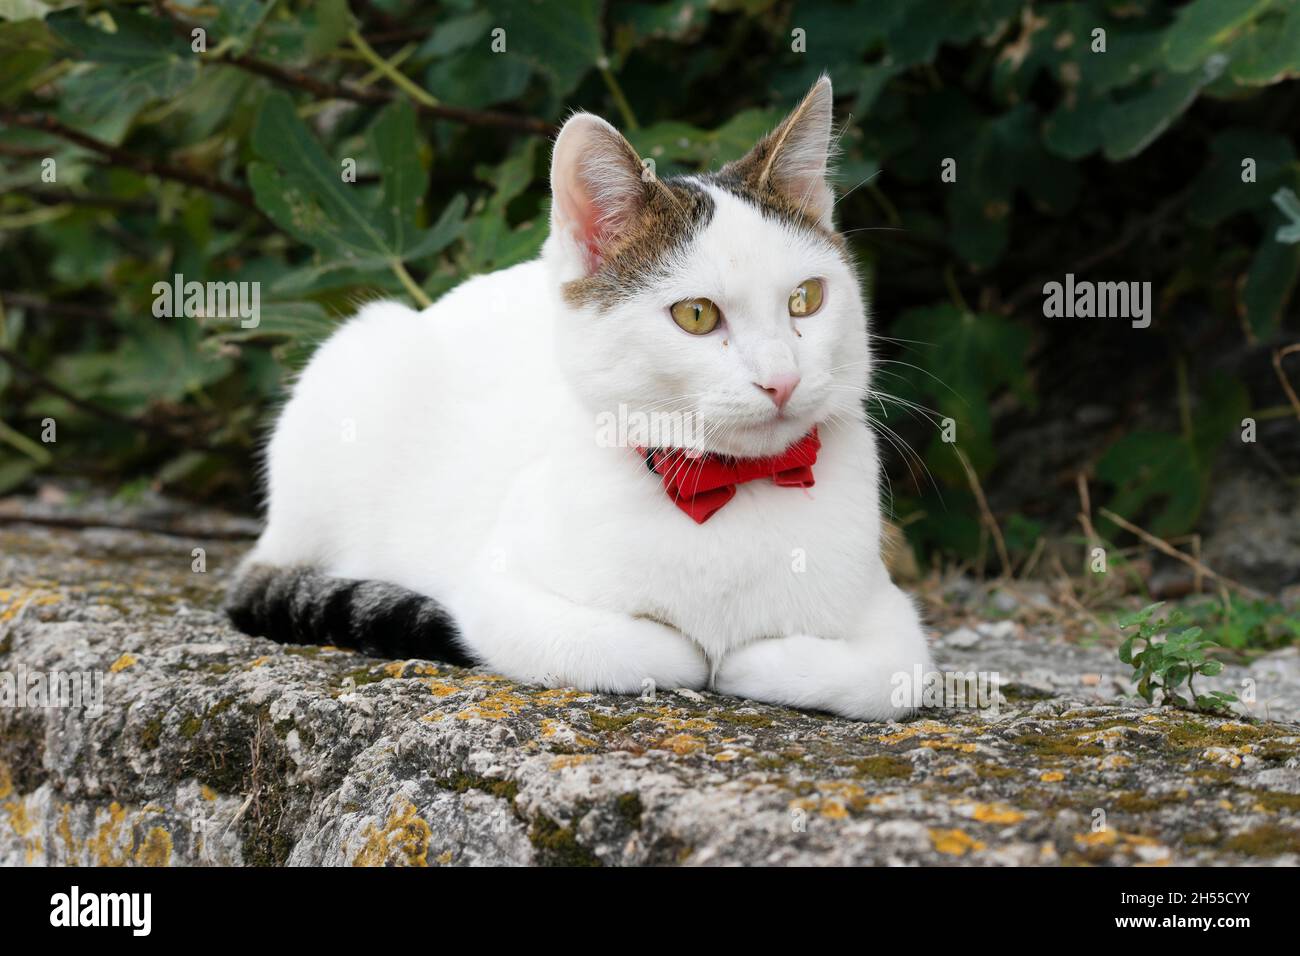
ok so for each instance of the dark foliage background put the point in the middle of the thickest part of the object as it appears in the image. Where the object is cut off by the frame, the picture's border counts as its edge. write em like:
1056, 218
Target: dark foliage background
224, 164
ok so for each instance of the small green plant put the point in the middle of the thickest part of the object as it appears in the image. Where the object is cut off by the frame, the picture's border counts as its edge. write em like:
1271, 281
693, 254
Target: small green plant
1245, 626
1164, 665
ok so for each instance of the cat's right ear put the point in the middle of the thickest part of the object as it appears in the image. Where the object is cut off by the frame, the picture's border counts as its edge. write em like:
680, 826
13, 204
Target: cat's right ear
597, 187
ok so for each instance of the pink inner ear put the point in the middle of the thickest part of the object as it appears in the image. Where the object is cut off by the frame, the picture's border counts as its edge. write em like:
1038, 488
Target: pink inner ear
587, 230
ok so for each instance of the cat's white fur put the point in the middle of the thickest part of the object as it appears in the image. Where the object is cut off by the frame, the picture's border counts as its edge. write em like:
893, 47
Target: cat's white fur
453, 451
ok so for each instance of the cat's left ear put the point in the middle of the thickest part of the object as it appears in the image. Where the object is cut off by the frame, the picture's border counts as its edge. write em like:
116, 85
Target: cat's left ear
598, 190
790, 165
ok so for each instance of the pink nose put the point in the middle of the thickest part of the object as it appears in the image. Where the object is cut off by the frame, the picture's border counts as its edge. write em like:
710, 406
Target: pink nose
779, 388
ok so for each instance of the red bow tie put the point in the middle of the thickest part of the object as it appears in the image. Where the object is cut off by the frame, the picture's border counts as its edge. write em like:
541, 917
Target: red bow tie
701, 486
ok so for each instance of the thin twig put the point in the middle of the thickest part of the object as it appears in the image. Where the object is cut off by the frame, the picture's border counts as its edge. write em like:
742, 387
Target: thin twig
34, 303
985, 513
337, 91
82, 524
1278, 355
1166, 548
99, 411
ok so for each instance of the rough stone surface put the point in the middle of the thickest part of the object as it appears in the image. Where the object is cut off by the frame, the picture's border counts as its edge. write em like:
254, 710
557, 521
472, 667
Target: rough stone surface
213, 747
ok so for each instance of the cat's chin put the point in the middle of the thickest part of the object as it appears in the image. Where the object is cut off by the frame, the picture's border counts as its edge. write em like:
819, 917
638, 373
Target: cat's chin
761, 439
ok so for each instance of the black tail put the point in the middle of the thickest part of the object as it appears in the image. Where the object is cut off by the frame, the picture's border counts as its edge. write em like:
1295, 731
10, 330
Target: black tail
300, 605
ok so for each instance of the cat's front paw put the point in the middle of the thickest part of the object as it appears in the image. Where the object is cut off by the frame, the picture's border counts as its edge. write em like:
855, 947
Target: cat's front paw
851, 680
625, 655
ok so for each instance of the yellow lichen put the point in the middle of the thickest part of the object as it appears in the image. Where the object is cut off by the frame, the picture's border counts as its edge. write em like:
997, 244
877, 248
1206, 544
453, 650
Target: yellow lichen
19, 821
561, 695
496, 706
564, 761
954, 842
915, 730
941, 744
1051, 776
155, 849
996, 813
682, 744
403, 840
70, 843
107, 845
122, 663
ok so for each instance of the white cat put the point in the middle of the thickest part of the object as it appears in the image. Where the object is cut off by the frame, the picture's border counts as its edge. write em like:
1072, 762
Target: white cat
442, 483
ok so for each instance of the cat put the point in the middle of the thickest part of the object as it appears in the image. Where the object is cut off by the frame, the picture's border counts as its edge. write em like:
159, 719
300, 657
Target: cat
438, 487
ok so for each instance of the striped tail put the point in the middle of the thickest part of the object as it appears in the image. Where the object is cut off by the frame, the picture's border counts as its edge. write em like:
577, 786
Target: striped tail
300, 605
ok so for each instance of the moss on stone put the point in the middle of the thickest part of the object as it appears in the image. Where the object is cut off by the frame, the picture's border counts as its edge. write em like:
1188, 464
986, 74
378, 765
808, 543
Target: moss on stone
557, 846
1272, 800
151, 733
1064, 745
629, 808
190, 726
756, 721
1194, 735
612, 723
1266, 840
883, 767
1138, 802
461, 782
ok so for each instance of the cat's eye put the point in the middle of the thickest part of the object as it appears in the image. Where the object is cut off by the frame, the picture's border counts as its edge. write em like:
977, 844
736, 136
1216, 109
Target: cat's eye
806, 298
697, 316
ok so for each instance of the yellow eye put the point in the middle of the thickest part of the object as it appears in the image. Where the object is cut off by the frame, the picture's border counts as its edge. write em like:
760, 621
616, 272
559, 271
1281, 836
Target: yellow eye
806, 298
697, 316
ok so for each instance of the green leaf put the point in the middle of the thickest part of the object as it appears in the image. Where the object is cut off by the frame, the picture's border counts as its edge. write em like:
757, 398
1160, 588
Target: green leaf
1267, 49
476, 78
303, 192
969, 356
333, 23
1219, 191
25, 49
142, 61
1271, 279
455, 33
238, 20
1154, 469
563, 47
392, 138
1131, 126
1206, 26
1286, 200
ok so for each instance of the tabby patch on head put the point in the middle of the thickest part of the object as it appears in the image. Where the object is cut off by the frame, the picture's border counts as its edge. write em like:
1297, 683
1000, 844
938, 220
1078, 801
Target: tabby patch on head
627, 224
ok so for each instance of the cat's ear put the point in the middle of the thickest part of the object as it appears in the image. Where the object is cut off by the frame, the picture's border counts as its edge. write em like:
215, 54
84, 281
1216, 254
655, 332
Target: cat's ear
597, 187
791, 163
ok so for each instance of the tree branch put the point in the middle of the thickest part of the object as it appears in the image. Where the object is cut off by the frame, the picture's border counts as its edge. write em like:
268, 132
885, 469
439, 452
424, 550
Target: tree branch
117, 156
339, 91
98, 411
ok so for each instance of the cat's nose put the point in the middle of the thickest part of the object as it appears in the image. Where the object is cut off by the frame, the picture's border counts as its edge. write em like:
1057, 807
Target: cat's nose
779, 388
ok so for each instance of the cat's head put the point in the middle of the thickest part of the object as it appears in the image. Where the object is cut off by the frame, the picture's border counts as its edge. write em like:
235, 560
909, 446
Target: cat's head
727, 297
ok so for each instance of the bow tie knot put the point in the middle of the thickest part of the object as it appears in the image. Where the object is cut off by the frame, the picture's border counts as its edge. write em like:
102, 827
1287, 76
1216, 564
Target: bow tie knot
700, 486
